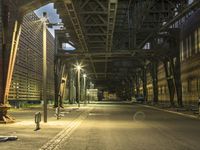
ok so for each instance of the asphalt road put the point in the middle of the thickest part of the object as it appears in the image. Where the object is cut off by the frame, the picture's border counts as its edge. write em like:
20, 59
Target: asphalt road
114, 126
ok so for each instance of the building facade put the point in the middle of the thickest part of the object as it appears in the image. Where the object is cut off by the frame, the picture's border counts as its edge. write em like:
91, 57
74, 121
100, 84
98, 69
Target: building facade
27, 77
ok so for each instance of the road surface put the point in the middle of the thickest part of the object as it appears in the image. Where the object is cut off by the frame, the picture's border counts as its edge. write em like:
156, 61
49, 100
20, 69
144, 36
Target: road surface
122, 126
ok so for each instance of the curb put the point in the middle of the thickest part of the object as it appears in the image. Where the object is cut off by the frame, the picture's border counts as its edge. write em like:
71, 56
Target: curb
173, 112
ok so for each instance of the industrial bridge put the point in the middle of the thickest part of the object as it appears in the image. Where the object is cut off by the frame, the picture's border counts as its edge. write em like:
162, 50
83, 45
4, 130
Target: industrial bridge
142, 50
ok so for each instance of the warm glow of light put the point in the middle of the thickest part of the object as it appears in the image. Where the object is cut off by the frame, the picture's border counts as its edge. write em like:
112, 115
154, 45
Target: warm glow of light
78, 67
84, 75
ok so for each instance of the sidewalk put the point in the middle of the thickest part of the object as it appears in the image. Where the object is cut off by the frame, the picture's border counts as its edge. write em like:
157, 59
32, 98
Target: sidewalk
24, 127
190, 111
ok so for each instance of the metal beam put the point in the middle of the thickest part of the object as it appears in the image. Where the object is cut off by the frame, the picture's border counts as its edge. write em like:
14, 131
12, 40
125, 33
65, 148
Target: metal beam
112, 11
185, 11
77, 27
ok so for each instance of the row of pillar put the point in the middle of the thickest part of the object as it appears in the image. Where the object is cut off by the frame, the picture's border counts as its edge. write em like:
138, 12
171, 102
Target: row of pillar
131, 86
66, 79
173, 77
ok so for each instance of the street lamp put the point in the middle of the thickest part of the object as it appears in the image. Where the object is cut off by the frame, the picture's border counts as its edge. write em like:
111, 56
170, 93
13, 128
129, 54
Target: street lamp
45, 23
84, 86
44, 75
78, 67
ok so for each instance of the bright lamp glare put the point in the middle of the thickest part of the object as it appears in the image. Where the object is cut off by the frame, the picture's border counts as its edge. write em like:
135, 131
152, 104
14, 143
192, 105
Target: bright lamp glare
84, 75
78, 67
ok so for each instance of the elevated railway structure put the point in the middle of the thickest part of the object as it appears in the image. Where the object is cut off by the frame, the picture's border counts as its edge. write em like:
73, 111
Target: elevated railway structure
121, 42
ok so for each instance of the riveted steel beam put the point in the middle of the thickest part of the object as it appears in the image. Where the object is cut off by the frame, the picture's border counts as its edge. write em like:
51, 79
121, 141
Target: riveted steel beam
77, 27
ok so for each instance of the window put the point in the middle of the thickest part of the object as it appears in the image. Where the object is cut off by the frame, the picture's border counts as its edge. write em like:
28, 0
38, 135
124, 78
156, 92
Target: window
147, 46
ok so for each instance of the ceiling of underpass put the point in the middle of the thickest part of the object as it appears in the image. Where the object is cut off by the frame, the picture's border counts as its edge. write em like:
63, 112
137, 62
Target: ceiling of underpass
110, 35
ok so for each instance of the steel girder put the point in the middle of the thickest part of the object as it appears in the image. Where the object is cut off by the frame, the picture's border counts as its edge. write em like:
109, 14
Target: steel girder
109, 25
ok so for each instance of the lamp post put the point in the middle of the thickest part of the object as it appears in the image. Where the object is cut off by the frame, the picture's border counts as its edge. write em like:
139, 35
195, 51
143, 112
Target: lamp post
84, 86
44, 75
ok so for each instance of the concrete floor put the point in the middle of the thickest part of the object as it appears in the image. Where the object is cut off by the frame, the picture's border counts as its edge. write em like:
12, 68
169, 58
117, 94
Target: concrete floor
133, 127
108, 126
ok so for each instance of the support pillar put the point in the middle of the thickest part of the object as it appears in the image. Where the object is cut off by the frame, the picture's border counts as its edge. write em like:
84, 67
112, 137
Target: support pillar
137, 84
59, 74
144, 81
10, 30
170, 82
177, 79
154, 75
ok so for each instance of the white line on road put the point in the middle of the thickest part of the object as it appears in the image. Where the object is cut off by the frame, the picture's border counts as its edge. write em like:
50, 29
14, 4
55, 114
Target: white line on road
173, 112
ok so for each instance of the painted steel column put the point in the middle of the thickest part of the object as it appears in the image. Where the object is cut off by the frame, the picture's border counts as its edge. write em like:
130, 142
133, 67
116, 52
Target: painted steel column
144, 80
177, 79
170, 82
137, 84
154, 75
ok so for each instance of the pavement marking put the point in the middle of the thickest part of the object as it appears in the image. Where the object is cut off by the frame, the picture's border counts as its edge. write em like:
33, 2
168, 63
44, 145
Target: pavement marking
139, 116
63, 135
99, 114
173, 112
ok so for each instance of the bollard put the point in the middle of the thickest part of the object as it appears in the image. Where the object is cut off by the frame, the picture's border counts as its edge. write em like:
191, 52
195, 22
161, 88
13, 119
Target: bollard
37, 120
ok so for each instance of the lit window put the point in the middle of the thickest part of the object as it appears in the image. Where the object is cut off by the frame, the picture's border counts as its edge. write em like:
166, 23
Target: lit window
147, 46
67, 46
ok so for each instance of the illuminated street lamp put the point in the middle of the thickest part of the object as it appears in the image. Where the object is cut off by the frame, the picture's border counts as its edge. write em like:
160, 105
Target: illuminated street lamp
78, 67
84, 86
